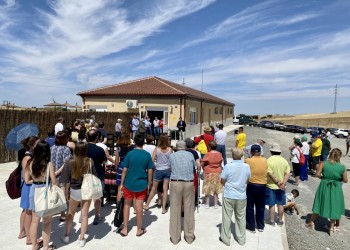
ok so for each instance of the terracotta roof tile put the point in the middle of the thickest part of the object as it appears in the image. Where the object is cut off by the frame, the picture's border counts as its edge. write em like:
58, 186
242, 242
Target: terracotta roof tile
151, 86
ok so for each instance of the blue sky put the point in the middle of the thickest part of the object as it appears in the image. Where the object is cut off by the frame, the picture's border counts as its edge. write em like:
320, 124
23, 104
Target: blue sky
267, 57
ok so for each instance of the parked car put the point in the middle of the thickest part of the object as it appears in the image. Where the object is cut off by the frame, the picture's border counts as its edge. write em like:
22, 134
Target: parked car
253, 124
332, 130
292, 128
236, 119
309, 129
301, 129
319, 130
267, 124
342, 133
244, 120
279, 126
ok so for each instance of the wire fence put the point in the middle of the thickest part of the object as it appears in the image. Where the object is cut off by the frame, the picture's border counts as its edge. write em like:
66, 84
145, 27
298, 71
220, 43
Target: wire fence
46, 120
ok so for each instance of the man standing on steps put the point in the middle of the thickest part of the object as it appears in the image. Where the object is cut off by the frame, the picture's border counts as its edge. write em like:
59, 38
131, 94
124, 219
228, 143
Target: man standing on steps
220, 138
135, 126
181, 125
98, 155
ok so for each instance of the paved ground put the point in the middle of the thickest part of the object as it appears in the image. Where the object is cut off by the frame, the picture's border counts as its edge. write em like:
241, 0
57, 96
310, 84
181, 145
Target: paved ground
299, 237
103, 236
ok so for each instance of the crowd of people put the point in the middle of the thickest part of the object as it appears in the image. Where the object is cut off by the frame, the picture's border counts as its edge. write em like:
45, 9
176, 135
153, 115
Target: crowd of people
143, 168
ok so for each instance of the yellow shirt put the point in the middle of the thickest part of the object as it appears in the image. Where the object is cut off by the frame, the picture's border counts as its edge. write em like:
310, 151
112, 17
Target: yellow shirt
258, 169
241, 140
278, 166
316, 147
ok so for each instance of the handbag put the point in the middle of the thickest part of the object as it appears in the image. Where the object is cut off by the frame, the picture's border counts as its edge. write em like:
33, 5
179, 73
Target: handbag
91, 188
49, 200
118, 217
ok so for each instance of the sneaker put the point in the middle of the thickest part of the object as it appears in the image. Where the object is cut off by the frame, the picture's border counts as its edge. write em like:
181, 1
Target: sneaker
65, 239
97, 220
280, 223
81, 243
271, 223
260, 230
205, 206
252, 231
216, 206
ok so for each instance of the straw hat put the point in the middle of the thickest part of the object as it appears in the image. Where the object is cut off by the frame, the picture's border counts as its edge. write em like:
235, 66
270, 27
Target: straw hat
207, 129
276, 148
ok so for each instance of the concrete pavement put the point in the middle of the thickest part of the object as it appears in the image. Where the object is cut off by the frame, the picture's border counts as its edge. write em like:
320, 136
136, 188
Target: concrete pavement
104, 236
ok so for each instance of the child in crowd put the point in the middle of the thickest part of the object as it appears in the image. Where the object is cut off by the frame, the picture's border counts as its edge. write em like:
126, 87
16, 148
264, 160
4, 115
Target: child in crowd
290, 202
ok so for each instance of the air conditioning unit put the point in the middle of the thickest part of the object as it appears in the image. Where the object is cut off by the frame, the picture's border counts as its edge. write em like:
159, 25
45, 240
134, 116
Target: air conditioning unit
131, 104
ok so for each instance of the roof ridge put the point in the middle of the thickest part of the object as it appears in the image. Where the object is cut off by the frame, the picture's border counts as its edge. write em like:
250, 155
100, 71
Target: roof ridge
113, 85
162, 81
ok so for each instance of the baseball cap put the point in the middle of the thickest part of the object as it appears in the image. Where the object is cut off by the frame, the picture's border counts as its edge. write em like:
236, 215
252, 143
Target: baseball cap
255, 148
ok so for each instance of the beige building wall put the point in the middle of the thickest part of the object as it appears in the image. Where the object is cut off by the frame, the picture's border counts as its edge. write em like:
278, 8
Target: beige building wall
192, 111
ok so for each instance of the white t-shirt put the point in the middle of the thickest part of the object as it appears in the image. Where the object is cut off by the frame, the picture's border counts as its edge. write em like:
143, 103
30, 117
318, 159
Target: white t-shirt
296, 155
220, 137
328, 135
149, 148
58, 127
305, 148
156, 123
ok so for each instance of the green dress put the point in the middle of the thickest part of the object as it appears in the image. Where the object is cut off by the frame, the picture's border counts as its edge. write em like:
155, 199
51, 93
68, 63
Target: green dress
329, 198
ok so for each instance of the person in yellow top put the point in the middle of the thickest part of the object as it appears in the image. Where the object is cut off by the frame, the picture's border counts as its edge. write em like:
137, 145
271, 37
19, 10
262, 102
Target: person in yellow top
316, 150
277, 176
256, 190
240, 139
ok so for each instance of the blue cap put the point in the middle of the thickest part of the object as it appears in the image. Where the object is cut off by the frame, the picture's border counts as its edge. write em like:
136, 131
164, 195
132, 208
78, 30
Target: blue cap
314, 135
255, 148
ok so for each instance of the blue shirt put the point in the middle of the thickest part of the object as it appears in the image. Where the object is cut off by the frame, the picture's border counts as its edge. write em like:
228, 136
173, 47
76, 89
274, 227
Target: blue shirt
236, 174
137, 161
182, 165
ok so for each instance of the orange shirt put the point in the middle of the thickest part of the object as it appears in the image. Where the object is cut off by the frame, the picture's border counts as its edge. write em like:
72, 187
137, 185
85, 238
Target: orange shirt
258, 169
212, 161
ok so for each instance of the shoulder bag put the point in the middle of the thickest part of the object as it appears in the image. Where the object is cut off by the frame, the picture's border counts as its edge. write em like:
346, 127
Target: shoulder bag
49, 200
91, 187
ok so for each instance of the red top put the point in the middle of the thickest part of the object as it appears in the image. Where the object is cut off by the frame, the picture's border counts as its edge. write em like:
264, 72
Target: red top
206, 137
212, 162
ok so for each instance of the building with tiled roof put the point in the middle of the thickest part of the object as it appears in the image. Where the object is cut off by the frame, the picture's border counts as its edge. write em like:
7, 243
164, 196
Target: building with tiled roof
154, 96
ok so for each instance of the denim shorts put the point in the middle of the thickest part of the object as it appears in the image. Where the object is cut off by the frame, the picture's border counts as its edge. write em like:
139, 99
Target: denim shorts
160, 175
31, 195
275, 197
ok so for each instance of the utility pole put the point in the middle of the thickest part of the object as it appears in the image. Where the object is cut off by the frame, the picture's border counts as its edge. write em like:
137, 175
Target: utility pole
183, 81
335, 98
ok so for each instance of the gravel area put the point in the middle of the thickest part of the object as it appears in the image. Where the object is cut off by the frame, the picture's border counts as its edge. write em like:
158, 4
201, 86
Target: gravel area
300, 237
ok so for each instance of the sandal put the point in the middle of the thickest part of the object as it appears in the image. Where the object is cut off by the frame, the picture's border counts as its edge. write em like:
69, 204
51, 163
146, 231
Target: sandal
22, 235
165, 211
143, 232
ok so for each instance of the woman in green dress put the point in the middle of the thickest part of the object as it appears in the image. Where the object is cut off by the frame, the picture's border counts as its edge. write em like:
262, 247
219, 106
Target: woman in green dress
329, 198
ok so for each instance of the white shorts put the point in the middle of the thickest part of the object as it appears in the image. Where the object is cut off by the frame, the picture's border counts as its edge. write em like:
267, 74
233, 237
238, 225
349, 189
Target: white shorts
75, 194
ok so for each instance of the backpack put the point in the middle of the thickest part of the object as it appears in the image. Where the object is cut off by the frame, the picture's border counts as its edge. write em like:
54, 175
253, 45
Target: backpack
202, 147
14, 183
302, 157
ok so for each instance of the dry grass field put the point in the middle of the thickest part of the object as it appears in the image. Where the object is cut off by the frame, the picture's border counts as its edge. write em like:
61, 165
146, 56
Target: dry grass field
328, 120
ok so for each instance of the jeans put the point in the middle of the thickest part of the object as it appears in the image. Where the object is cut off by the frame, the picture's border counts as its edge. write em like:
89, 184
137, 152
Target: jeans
255, 198
156, 132
304, 169
222, 150
181, 135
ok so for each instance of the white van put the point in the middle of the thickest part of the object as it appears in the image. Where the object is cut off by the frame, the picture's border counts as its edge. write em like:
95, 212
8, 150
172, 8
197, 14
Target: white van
236, 119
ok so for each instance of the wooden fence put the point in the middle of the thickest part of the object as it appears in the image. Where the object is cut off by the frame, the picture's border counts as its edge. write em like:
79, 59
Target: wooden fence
46, 120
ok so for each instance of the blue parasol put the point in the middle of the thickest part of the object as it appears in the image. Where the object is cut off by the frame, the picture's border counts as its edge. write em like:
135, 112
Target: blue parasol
19, 133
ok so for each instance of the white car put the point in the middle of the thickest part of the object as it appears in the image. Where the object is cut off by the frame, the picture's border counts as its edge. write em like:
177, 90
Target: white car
236, 120
341, 133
